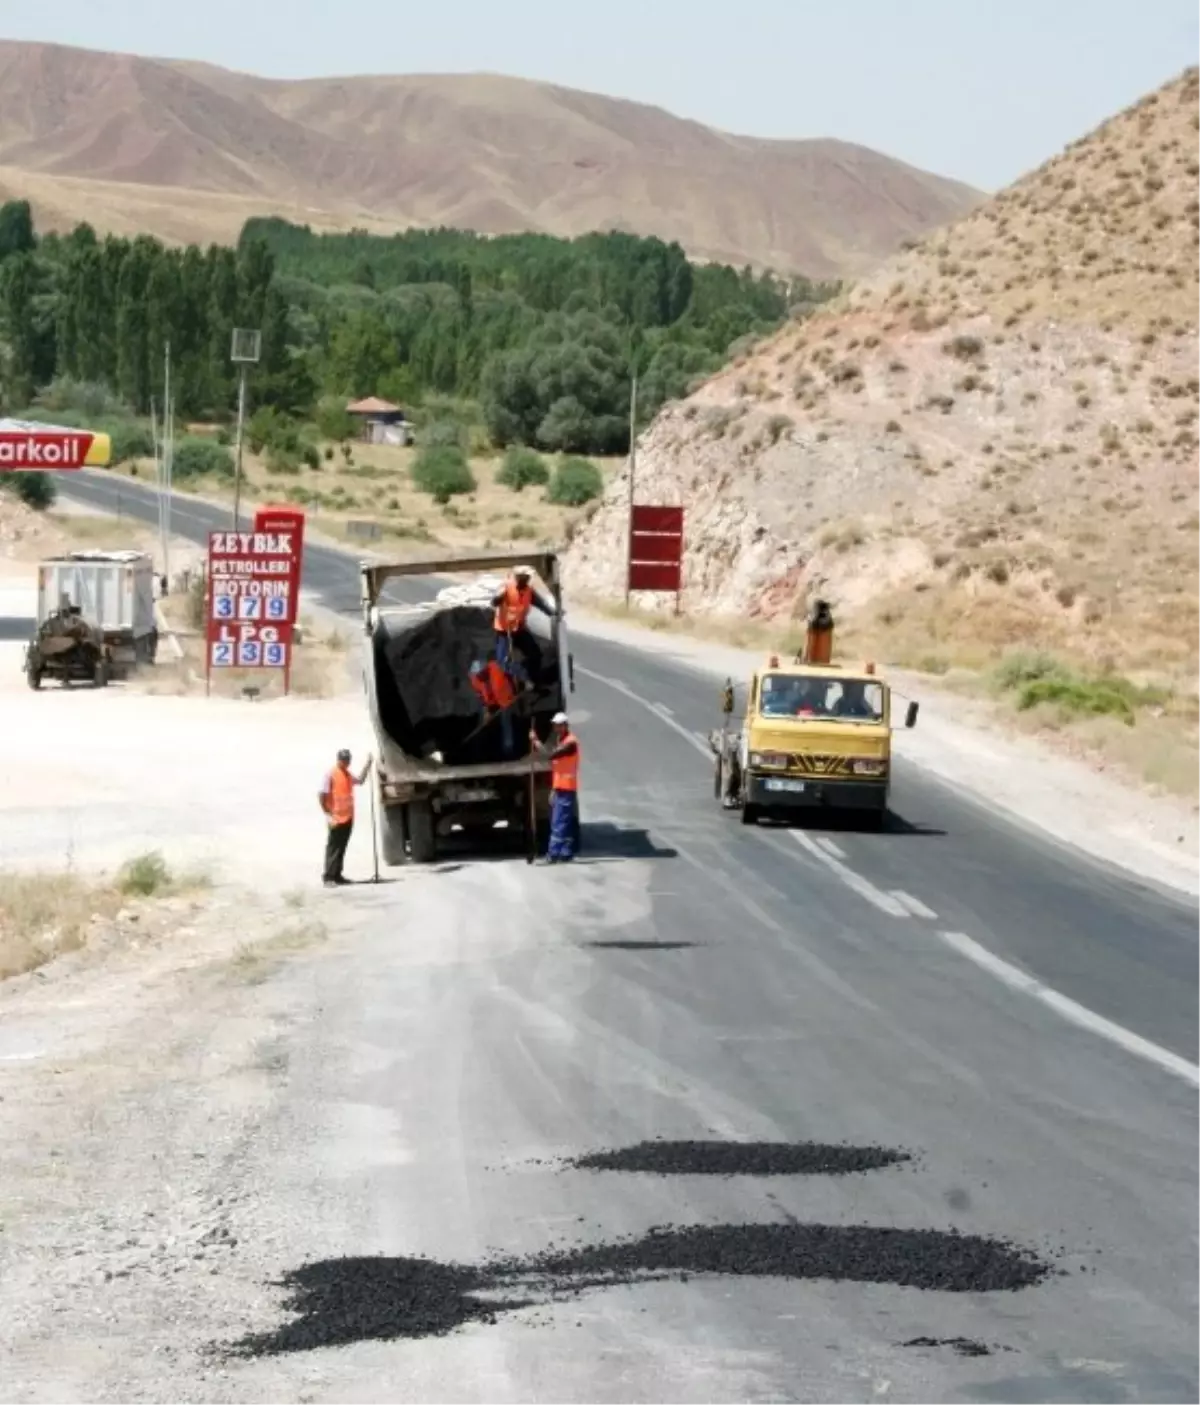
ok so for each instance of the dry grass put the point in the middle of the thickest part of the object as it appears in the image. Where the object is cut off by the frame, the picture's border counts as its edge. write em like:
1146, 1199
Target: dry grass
45, 915
189, 151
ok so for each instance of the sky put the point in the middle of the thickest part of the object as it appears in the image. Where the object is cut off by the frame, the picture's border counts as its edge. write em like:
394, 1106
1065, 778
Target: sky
981, 90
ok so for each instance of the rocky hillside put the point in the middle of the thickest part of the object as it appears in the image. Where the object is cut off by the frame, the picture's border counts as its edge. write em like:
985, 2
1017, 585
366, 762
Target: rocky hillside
191, 151
990, 442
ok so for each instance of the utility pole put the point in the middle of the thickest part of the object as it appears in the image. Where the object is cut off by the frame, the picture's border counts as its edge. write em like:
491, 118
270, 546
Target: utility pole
244, 352
164, 487
632, 476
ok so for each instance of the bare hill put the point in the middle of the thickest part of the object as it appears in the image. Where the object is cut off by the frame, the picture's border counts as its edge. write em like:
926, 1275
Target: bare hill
476, 151
989, 443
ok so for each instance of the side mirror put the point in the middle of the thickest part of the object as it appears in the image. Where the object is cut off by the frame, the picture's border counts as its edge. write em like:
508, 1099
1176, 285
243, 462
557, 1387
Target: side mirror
910, 717
727, 697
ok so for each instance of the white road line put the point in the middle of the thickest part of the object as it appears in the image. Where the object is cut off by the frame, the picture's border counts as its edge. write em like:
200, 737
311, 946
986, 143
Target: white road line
662, 709
855, 881
914, 905
1070, 1010
615, 683
830, 847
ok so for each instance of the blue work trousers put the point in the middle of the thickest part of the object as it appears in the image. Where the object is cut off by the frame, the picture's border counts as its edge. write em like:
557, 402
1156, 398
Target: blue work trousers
507, 660
563, 825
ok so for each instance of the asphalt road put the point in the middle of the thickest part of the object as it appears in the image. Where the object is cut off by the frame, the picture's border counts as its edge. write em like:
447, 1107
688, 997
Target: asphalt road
1024, 1019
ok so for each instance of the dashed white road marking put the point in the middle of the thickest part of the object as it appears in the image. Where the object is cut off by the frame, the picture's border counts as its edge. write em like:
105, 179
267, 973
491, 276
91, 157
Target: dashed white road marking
1071, 1010
662, 709
855, 881
615, 683
830, 847
914, 905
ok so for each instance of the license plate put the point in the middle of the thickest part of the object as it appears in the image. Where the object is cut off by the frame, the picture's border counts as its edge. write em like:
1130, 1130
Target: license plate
482, 793
785, 785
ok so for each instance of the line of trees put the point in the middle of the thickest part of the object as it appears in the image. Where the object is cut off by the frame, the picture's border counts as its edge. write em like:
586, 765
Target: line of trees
541, 334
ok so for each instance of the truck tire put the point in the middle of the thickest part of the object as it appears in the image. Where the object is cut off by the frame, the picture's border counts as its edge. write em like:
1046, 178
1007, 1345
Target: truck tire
394, 834
33, 675
422, 836
718, 776
100, 674
749, 813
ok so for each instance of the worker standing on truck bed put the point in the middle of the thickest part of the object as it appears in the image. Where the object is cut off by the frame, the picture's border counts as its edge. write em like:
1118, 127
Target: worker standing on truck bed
564, 790
496, 692
337, 800
513, 602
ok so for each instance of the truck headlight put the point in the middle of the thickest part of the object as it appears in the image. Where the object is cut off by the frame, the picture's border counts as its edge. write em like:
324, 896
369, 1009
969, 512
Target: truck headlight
869, 768
768, 759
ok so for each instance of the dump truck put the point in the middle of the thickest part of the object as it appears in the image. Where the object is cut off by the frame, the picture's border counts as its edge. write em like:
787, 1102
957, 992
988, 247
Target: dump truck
440, 764
113, 591
815, 736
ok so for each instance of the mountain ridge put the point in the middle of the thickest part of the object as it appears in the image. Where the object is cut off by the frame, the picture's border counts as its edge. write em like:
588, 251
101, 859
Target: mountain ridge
477, 151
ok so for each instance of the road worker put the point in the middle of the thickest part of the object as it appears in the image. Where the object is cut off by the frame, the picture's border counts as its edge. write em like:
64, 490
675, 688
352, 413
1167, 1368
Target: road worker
513, 602
496, 694
337, 801
564, 790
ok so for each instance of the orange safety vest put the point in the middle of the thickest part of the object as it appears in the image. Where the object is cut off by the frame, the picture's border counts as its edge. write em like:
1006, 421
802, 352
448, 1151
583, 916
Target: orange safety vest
512, 610
493, 686
564, 770
341, 796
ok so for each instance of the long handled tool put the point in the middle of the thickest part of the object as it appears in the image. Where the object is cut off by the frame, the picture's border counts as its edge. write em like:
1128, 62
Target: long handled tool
532, 854
374, 833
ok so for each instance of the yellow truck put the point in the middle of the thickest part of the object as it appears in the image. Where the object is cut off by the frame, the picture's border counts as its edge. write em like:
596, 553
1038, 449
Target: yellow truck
816, 736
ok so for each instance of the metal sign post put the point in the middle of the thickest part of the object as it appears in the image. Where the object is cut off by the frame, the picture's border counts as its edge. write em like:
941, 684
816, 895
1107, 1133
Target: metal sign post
244, 351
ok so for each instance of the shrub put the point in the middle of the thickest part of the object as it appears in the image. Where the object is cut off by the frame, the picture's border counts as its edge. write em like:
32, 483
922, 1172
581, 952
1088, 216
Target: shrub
36, 490
333, 420
144, 875
964, 347
196, 457
442, 471
575, 482
522, 467
130, 440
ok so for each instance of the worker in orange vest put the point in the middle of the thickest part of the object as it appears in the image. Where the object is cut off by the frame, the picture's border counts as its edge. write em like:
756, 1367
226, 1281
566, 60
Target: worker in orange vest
513, 602
496, 693
337, 800
564, 790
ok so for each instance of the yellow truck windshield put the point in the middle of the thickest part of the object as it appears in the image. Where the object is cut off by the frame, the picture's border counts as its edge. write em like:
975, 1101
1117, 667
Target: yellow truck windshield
801, 695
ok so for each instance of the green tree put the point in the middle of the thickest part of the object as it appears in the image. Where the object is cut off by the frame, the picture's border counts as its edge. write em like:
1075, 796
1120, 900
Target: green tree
575, 482
19, 278
16, 229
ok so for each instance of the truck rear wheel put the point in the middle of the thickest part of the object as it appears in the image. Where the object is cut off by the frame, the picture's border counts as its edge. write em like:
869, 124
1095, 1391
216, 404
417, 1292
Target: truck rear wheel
422, 836
394, 835
749, 813
100, 674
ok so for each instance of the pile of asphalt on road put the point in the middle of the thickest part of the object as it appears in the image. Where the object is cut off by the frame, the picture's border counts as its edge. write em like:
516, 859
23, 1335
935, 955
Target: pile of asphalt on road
724, 1158
339, 1301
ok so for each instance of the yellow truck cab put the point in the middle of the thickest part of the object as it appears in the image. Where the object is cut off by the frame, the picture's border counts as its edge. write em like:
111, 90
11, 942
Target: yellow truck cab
815, 735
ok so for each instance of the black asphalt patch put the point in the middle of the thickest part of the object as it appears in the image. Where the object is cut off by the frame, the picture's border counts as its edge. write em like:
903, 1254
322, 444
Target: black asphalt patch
639, 946
965, 1346
724, 1158
345, 1300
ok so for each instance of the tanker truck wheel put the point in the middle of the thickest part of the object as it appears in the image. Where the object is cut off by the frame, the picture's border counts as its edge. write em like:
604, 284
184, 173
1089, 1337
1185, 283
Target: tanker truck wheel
422, 836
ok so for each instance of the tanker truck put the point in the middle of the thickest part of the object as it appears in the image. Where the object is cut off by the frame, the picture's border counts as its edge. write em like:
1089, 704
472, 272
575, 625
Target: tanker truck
441, 766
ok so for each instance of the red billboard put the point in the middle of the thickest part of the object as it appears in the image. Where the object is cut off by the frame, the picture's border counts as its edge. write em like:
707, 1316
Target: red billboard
253, 586
656, 548
36, 448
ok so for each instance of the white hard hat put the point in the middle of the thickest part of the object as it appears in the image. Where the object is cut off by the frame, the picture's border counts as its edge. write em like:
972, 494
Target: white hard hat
559, 717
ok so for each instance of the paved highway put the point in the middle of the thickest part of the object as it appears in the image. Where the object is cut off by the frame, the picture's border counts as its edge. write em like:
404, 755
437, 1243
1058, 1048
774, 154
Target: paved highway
1024, 1020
